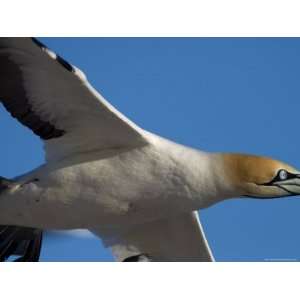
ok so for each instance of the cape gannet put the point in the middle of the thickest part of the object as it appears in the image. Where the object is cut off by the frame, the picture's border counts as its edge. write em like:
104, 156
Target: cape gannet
139, 192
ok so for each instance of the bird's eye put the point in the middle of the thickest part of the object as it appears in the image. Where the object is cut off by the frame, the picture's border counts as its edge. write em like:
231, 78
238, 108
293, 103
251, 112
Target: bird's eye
282, 175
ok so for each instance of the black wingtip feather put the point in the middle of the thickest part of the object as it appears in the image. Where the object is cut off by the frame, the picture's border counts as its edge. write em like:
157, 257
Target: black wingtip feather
15, 240
38, 43
33, 250
58, 58
64, 63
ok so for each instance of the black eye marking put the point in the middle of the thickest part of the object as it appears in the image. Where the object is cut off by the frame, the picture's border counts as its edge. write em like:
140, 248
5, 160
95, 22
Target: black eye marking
281, 175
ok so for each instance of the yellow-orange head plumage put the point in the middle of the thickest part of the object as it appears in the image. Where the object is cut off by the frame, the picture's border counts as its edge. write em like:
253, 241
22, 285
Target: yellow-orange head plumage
259, 176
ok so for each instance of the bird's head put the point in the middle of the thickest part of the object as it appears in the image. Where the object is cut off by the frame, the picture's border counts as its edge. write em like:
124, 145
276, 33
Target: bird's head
261, 177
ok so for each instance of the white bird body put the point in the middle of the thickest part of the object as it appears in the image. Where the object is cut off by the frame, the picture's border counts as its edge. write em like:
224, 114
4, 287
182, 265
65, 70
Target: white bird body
114, 188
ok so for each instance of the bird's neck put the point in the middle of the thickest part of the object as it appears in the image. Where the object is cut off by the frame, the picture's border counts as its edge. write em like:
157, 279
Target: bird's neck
202, 174
206, 177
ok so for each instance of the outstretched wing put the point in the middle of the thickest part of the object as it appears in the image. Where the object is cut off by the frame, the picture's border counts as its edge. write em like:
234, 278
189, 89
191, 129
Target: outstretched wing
54, 99
178, 239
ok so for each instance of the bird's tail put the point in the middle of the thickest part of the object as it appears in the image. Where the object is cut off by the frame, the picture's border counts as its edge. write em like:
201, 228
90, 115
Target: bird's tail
19, 241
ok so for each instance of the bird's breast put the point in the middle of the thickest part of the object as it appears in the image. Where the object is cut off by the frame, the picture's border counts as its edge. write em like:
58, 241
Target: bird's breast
127, 188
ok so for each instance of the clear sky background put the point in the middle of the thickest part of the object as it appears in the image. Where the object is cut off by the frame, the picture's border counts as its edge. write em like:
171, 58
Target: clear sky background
233, 95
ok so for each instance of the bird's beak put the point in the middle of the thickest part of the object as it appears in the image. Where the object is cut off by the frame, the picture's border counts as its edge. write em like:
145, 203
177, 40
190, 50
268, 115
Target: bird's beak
291, 186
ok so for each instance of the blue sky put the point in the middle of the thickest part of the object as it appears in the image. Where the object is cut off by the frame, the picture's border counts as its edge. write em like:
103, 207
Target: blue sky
231, 95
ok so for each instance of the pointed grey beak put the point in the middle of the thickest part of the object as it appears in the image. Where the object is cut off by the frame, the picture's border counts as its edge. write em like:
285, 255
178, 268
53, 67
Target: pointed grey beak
291, 185
287, 182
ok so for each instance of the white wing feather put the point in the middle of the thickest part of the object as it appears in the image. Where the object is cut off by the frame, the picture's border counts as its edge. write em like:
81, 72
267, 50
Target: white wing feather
33, 75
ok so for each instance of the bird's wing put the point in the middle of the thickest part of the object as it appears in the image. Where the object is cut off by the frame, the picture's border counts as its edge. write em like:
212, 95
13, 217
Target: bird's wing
20, 241
55, 100
178, 239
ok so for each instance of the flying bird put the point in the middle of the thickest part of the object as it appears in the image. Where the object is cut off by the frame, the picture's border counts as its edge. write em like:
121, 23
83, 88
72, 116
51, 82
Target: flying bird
137, 191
